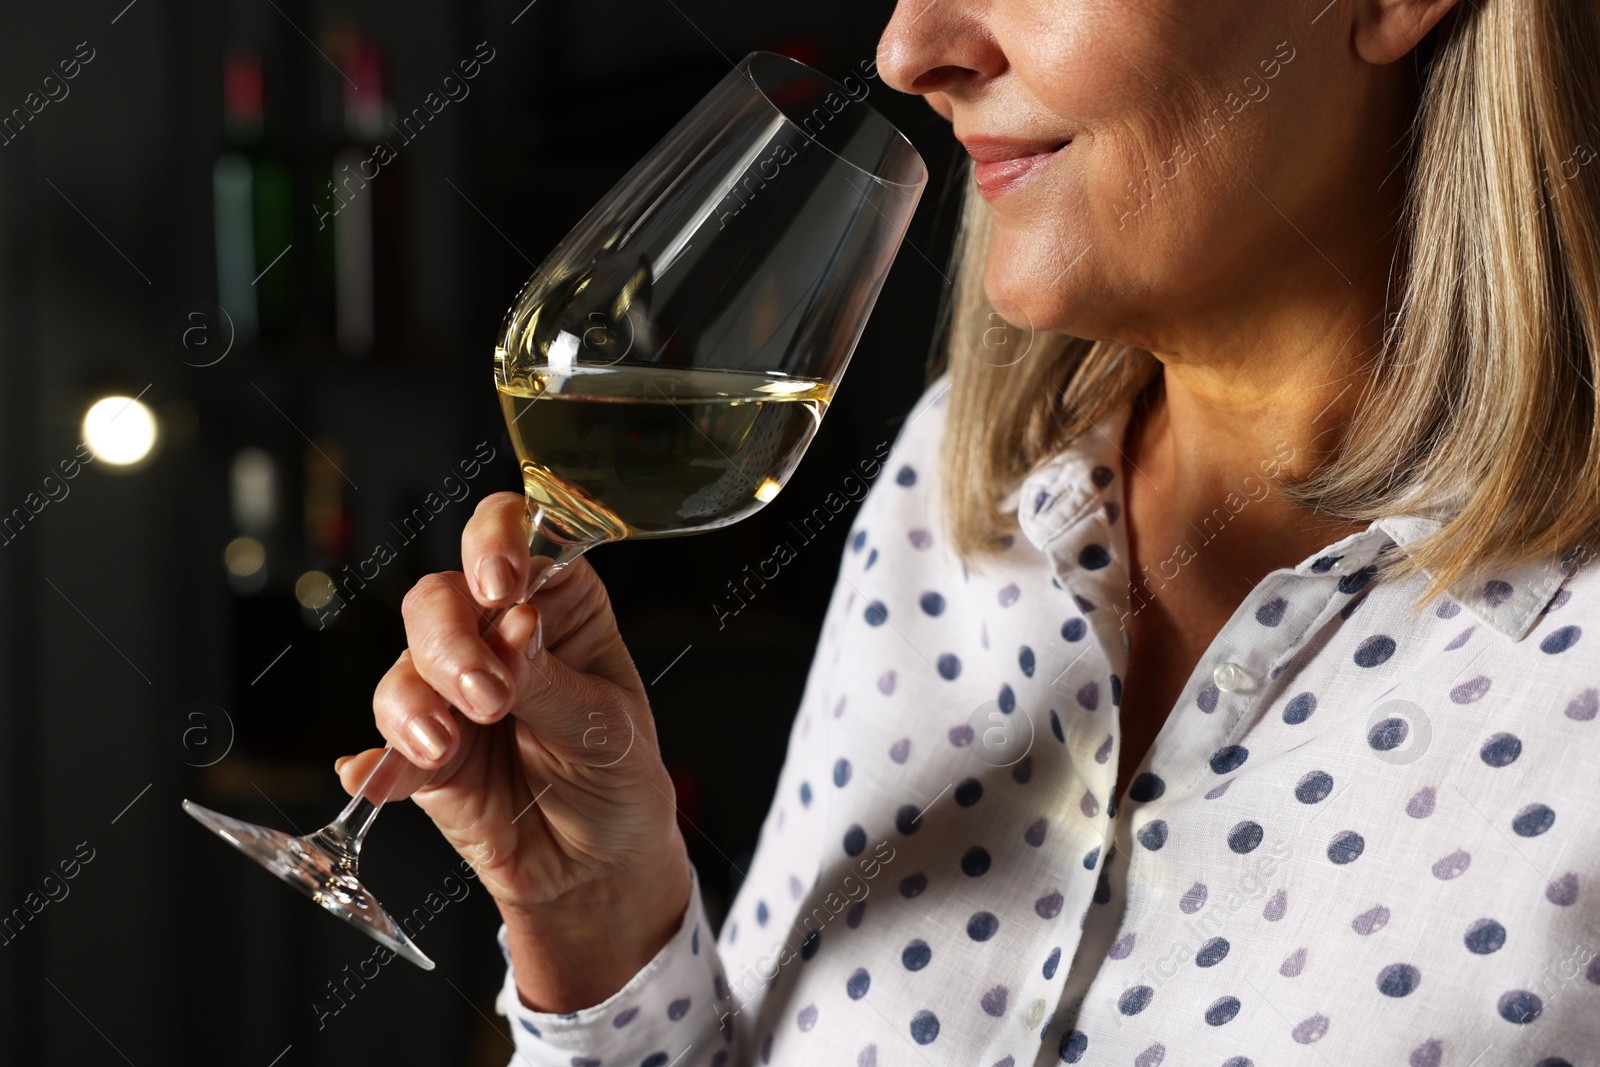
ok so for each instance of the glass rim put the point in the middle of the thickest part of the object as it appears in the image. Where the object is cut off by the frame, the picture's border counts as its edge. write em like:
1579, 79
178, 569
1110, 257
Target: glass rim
744, 68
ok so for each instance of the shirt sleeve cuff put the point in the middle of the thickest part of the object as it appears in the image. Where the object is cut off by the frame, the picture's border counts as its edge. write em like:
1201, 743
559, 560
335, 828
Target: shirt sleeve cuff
669, 1005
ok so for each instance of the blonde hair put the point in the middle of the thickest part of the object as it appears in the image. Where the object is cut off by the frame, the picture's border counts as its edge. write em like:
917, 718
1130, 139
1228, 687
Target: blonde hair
1483, 400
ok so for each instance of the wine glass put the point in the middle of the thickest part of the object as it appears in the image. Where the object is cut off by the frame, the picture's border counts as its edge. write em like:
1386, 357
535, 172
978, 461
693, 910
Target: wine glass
666, 366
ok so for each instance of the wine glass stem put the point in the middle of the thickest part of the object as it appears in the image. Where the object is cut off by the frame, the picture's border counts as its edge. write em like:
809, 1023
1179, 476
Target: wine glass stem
343, 836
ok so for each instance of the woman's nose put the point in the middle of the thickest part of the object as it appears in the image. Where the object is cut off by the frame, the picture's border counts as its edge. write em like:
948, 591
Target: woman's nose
936, 46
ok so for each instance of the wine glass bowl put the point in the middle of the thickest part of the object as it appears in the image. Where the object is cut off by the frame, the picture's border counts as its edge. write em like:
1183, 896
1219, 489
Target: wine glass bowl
665, 368
682, 344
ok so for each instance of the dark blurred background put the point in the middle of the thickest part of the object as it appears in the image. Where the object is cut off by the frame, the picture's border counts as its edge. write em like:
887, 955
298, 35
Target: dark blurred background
167, 233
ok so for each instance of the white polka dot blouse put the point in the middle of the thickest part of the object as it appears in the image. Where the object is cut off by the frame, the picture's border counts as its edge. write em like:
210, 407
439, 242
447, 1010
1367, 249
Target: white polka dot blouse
1365, 835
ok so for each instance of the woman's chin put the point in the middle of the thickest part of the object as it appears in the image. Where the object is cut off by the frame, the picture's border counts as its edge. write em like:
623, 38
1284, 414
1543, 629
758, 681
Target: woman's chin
1033, 311
1034, 291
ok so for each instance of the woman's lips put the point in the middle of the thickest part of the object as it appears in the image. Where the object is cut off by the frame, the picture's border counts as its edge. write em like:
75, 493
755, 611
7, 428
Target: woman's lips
1003, 163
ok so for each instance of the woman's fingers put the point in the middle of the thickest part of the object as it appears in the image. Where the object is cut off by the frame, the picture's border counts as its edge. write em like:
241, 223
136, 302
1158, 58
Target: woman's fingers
420, 726
577, 716
442, 626
494, 549
400, 779
413, 717
580, 718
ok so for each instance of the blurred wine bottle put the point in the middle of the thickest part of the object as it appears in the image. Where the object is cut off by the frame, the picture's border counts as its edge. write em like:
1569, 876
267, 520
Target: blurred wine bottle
327, 514
358, 205
251, 203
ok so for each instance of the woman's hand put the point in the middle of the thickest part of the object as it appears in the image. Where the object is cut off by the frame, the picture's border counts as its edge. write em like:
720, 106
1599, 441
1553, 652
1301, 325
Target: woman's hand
547, 777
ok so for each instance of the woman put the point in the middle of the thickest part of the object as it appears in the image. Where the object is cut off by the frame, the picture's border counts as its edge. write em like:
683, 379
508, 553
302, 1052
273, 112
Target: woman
1211, 682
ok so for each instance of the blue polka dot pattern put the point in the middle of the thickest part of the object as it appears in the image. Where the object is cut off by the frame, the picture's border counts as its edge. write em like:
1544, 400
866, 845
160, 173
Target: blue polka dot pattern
1146, 787
1222, 1012
858, 984
1135, 1000
1228, 759
969, 792
1560, 640
810, 943
1074, 1043
1389, 734
1271, 613
1501, 750
1392, 811
1398, 980
1245, 837
1485, 936
1356, 581
1314, 787
1374, 651
975, 861
1533, 820
1212, 952
1299, 709
1520, 1006
1346, 847
982, 926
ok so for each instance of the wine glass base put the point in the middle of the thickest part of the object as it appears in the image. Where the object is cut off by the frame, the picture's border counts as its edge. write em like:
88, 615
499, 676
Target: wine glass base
320, 870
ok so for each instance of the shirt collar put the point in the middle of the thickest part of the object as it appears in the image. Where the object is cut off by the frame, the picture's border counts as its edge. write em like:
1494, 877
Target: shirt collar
1510, 600
1073, 485
1080, 485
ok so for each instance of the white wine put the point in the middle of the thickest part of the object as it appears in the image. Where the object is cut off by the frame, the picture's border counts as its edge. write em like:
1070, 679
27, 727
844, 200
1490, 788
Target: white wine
643, 451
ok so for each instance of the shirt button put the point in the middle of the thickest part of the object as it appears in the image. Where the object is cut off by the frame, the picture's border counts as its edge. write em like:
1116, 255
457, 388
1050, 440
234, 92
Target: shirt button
1230, 676
1345, 565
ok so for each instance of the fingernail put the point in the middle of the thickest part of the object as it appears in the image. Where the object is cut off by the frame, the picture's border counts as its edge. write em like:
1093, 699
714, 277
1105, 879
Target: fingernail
483, 692
338, 764
536, 640
495, 577
429, 735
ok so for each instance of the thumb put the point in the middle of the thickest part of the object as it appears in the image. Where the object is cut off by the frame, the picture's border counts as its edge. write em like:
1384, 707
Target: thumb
581, 718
